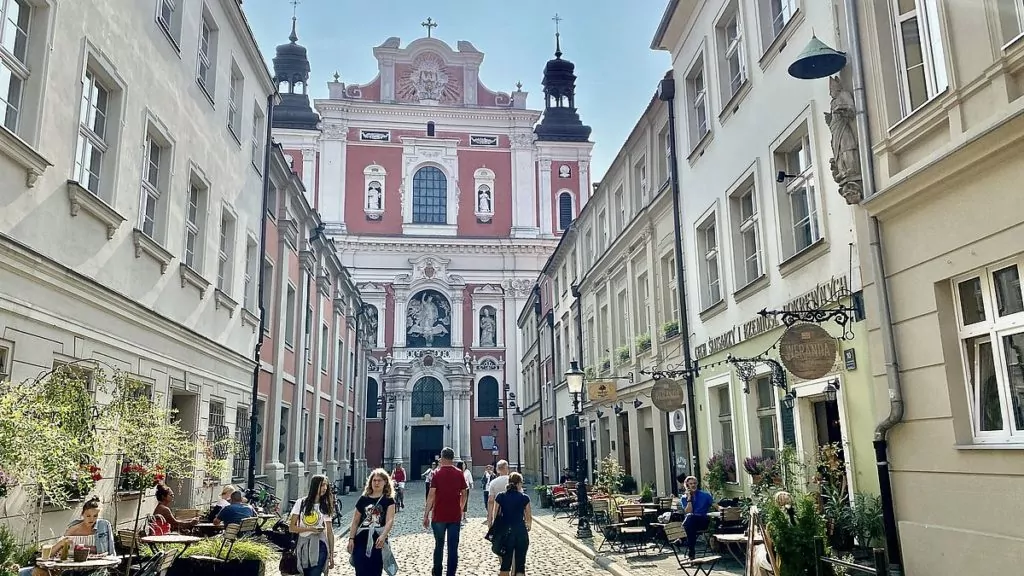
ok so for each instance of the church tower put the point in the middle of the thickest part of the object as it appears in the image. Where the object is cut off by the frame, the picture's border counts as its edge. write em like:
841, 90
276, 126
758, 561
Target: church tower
563, 146
296, 125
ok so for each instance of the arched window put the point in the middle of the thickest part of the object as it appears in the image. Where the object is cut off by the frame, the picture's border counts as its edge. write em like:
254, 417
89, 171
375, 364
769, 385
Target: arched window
564, 210
371, 398
429, 196
487, 398
428, 398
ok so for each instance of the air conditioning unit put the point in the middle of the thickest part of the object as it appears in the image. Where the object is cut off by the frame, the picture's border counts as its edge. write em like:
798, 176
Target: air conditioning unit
677, 420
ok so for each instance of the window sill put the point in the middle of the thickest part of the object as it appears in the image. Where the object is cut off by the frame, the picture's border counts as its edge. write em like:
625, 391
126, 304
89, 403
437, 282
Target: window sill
803, 257
190, 276
222, 300
234, 136
733, 105
702, 145
23, 154
712, 310
150, 247
206, 92
170, 38
251, 318
81, 199
781, 40
751, 288
257, 168
991, 446
919, 122
429, 229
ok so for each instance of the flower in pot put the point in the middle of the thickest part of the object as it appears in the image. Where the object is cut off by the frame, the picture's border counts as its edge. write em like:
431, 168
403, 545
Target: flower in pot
622, 352
136, 477
761, 468
643, 342
670, 329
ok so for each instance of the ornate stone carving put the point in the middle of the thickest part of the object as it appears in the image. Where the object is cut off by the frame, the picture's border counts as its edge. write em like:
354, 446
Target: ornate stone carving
371, 324
845, 161
488, 322
545, 164
335, 131
519, 287
428, 317
584, 168
521, 139
427, 81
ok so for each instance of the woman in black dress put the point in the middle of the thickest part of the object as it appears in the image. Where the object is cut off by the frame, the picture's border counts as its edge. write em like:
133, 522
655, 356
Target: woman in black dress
371, 523
517, 517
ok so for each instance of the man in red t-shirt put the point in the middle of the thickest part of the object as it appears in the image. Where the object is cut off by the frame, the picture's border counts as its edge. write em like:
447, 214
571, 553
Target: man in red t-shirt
398, 477
446, 499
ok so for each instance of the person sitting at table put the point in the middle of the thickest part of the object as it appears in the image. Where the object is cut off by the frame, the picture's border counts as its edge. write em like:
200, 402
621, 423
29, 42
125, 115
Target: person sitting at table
696, 504
225, 495
235, 512
164, 499
89, 530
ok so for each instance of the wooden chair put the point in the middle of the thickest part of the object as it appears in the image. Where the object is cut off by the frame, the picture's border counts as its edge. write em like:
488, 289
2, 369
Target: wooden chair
664, 504
631, 532
675, 535
232, 533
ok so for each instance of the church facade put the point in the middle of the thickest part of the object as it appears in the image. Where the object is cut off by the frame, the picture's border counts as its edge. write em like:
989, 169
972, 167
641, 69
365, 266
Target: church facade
444, 200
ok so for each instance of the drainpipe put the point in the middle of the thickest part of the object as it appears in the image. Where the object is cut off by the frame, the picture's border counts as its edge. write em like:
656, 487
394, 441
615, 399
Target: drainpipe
892, 371
540, 378
550, 317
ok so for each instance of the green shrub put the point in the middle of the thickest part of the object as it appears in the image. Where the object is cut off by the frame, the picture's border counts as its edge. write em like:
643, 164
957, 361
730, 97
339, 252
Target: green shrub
792, 529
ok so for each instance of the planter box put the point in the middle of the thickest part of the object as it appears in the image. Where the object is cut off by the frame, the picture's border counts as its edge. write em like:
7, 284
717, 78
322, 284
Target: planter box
196, 567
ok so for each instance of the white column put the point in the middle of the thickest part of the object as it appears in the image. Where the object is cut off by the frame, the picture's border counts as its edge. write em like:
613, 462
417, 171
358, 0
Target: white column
524, 185
308, 169
544, 196
585, 189
399, 425
332, 173
457, 300
401, 300
467, 441
456, 424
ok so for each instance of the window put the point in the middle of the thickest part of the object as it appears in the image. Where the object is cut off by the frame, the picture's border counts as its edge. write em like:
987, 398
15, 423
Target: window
747, 235
668, 280
798, 204
268, 291
565, 211
620, 211
339, 356
216, 431
272, 202
767, 428
644, 303
697, 101
5, 361
250, 279
779, 13
372, 398
325, 348
991, 330
602, 225
206, 73
289, 317
304, 438
226, 251
235, 91
428, 398
708, 266
283, 426
920, 56
336, 445
14, 70
168, 17
156, 160
257, 139
639, 184
240, 452
487, 398
429, 196
1011, 19
665, 158
320, 425
723, 437
729, 33
92, 133
195, 223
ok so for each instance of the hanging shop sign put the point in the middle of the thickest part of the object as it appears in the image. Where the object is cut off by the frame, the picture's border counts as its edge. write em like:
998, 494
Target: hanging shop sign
667, 395
602, 391
808, 351
677, 421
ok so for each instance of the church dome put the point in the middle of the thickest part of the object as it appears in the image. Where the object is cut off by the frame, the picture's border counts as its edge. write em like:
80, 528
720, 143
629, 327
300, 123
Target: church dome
291, 63
291, 68
561, 122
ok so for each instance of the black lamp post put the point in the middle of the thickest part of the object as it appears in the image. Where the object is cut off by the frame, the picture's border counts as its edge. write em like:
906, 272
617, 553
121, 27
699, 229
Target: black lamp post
574, 378
385, 404
517, 418
495, 451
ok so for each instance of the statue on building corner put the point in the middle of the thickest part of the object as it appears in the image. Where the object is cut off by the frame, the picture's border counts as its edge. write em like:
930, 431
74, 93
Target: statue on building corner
845, 161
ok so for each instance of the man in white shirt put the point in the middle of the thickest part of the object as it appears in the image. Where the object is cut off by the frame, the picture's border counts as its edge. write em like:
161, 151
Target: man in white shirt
497, 486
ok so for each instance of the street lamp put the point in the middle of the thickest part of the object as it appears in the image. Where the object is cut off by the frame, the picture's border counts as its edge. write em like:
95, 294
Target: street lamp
574, 378
517, 418
494, 446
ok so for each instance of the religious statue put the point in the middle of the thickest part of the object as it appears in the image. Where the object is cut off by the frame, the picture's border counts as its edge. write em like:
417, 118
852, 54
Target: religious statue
564, 171
487, 325
845, 161
373, 196
371, 325
427, 319
483, 201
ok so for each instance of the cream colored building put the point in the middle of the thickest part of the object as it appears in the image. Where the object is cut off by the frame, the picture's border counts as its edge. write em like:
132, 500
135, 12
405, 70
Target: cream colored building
947, 136
131, 203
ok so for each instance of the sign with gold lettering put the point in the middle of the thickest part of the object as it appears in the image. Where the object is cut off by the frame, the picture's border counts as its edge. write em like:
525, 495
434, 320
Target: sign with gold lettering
667, 395
602, 391
808, 351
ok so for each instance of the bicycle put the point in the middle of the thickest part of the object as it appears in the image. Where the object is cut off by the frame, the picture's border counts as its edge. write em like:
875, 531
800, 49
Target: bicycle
337, 489
399, 495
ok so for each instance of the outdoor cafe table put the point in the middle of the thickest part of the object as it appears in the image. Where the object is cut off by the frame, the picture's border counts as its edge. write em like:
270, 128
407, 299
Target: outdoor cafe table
57, 566
166, 539
735, 543
264, 519
208, 528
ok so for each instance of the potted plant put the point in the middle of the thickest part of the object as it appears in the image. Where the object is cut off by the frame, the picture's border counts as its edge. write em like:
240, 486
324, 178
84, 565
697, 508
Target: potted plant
628, 485
622, 353
139, 478
721, 468
246, 558
760, 468
670, 329
544, 494
610, 474
643, 342
793, 522
647, 494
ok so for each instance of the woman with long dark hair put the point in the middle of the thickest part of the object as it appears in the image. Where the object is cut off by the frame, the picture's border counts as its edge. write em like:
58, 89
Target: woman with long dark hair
371, 523
311, 520
516, 516
88, 530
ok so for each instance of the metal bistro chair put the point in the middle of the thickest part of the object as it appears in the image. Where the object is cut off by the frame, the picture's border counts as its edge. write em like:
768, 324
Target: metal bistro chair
231, 534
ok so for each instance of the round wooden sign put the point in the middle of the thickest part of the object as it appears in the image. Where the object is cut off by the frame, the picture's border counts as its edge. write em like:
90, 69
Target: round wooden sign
808, 351
667, 395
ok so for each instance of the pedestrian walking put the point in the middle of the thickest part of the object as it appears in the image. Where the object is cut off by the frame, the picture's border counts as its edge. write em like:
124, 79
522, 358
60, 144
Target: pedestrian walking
311, 520
485, 482
497, 486
443, 512
427, 476
467, 475
515, 519
371, 524
398, 480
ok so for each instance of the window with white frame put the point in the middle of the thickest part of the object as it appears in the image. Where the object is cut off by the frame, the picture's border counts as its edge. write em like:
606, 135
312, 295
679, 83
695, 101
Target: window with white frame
93, 135
195, 211
708, 264
325, 348
665, 157
236, 88
697, 102
168, 17
729, 35
764, 411
622, 318
226, 251
14, 70
268, 292
643, 303
639, 184
257, 139
272, 202
774, 15
797, 198
990, 317
565, 211
746, 233
920, 56
251, 278
723, 438
668, 280
1011, 19
206, 73
289, 317
156, 160
5, 361
620, 211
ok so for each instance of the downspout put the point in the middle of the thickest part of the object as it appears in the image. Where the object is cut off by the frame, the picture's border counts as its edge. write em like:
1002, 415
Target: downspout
892, 371
578, 321
260, 291
540, 378
550, 317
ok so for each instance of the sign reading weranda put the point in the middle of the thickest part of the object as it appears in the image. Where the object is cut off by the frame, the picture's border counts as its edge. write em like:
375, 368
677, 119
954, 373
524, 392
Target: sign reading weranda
667, 395
808, 351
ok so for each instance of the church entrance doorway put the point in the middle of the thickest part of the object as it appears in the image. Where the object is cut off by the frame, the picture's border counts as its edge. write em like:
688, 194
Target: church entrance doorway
427, 442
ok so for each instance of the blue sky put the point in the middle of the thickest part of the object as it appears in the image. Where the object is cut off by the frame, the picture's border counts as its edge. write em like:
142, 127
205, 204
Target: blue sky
608, 40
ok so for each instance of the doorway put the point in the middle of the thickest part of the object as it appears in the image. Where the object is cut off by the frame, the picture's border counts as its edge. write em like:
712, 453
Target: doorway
185, 406
425, 443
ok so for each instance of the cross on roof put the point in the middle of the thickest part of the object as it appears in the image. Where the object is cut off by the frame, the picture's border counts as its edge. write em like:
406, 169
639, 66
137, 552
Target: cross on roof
428, 25
557, 19
295, 6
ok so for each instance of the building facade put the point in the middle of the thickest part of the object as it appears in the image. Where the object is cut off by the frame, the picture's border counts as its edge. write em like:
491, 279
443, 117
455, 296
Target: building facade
131, 222
443, 198
765, 228
947, 134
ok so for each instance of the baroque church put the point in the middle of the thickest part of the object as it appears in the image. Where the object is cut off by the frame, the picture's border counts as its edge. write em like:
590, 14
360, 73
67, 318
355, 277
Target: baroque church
444, 200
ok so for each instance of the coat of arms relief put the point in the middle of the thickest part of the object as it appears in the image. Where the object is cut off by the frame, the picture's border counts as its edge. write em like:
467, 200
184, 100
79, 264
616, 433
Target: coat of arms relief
428, 81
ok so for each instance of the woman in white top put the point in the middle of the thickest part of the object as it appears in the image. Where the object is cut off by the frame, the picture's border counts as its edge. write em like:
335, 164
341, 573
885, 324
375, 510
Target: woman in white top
90, 531
311, 520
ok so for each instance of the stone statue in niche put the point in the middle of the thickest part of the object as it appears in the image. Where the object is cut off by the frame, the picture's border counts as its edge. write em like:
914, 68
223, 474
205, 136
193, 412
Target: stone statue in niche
371, 325
428, 320
374, 196
564, 171
845, 161
483, 200
487, 327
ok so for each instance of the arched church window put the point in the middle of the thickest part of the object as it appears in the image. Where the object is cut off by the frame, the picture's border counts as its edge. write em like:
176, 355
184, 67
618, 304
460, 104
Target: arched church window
487, 398
429, 196
564, 210
371, 398
428, 398
428, 320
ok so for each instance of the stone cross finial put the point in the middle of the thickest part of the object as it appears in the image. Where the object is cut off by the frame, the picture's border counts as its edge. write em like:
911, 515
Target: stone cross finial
428, 25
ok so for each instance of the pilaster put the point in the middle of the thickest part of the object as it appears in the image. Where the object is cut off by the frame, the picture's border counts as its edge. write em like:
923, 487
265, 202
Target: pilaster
332, 173
457, 313
456, 422
544, 196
